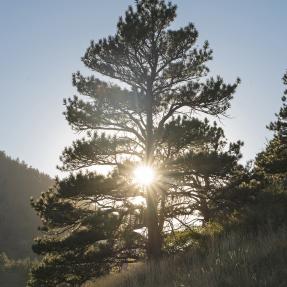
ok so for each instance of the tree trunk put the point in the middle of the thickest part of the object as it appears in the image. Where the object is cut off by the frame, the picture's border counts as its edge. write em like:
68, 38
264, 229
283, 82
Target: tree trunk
154, 247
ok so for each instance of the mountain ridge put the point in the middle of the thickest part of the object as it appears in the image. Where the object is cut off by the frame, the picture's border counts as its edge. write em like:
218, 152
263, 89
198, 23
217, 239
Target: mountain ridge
18, 221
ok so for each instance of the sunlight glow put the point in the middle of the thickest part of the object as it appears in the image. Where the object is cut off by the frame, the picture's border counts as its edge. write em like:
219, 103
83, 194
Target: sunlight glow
144, 175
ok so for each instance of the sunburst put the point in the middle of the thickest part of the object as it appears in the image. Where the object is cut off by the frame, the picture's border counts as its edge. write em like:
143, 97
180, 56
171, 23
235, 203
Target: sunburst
144, 175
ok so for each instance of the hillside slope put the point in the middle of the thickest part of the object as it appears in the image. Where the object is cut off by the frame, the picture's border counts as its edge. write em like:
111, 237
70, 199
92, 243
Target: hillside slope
236, 260
18, 221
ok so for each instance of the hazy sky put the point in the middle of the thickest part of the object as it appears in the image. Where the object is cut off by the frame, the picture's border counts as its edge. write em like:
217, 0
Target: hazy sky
42, 43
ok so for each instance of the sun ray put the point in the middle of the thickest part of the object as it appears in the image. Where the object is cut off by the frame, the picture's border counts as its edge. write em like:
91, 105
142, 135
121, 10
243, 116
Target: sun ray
144, 175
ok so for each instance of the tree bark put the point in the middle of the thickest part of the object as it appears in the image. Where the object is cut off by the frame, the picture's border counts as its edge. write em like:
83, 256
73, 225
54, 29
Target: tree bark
154, 235
154, 247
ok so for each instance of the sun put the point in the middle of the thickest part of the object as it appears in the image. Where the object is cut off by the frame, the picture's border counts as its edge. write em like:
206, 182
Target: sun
144, 175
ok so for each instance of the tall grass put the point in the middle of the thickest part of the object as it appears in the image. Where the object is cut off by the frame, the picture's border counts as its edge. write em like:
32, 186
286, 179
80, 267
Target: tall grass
232, 260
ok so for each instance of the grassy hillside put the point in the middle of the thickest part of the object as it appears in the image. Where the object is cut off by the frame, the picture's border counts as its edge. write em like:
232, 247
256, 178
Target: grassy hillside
234, 260
18, 221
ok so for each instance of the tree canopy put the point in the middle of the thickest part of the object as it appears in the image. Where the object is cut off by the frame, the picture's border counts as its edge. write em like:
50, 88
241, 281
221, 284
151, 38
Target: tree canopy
145, 117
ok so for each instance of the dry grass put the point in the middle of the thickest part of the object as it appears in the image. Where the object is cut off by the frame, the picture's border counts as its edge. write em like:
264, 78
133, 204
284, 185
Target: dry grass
235, 260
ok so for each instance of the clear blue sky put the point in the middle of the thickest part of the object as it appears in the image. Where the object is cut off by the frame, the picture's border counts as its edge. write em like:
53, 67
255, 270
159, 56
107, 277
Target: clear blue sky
42, 43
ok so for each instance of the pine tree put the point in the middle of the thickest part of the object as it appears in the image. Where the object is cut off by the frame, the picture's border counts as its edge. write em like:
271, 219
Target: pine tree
269, 177
89, 229
203, 168
272, 162
95, 223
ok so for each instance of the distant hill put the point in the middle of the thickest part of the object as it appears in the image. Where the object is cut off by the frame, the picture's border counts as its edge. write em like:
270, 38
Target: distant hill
18, 221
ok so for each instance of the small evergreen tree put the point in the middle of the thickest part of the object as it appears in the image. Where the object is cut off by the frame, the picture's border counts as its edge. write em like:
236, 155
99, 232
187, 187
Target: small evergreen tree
92, 223
269, 178
272, 162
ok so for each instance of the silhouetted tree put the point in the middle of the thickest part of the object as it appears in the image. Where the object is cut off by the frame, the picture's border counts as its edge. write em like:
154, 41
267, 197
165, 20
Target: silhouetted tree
201, 168
272, 162
267, 183
95, 223
89, 226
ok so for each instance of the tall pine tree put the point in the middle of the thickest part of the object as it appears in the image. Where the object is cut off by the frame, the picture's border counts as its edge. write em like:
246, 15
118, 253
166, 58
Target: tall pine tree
92, 223
272, 162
